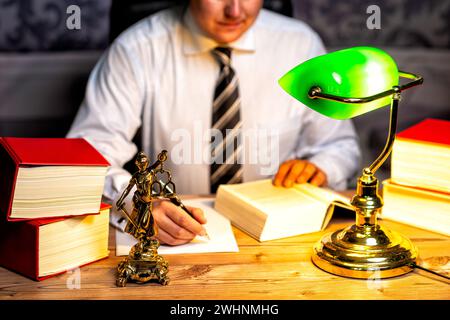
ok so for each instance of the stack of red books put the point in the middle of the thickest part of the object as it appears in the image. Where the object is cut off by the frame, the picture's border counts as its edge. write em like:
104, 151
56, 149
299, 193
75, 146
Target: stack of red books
51, 216
418, 192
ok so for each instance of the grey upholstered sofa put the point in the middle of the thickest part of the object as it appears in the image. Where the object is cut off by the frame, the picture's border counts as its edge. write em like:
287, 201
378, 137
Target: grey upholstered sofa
44, 65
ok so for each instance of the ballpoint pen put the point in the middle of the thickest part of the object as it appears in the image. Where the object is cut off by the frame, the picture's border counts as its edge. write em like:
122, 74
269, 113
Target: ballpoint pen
176, 201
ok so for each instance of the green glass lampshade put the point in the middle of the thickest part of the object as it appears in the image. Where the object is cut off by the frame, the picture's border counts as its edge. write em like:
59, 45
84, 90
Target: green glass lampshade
350, 73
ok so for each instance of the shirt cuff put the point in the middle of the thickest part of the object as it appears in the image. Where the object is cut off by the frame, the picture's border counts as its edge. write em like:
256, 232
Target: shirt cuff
335, 177
116, 181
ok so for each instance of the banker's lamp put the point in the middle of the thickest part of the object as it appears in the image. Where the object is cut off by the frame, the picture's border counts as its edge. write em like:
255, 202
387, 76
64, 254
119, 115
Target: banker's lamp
342, 85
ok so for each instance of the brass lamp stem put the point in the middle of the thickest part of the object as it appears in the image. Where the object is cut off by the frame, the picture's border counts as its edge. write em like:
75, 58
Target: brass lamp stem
367, 201
392, 129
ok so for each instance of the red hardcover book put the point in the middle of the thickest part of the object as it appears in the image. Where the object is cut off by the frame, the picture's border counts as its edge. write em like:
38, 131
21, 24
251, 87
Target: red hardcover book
49, 177
421, 156
42, 248
429, 130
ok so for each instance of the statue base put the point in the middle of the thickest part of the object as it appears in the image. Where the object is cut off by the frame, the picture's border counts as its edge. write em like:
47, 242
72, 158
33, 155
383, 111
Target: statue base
143, 264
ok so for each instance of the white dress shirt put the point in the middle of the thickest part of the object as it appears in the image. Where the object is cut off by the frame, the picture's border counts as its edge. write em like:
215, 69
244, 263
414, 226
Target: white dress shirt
160, 74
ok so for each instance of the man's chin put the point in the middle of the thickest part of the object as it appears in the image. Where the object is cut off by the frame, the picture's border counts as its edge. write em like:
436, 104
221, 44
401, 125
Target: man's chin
227, 37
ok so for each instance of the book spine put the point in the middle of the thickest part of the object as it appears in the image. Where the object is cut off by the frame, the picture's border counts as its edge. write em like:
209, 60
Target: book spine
10, 150
19, 248
8, 173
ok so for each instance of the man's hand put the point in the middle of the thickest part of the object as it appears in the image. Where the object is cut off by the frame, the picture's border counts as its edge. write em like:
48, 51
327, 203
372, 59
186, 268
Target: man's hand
299, 171
175, 226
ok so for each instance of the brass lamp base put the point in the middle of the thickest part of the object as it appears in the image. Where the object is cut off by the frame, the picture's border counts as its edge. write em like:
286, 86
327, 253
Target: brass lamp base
365, 249
363, 252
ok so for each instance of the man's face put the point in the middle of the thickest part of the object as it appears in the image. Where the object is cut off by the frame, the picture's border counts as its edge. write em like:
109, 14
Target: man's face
225, 20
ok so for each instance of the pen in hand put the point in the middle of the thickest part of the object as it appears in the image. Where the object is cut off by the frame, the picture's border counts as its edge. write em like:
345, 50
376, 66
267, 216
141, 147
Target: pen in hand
176, 201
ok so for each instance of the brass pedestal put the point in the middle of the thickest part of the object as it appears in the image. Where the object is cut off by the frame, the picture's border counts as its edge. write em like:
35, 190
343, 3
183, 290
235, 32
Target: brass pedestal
365, 249
359, 252
143, 264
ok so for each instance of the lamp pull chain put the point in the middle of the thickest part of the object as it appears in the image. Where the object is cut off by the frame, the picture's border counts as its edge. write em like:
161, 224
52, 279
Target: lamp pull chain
415, 265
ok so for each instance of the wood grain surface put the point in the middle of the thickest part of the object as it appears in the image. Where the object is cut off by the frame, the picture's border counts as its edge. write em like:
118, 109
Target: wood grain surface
279, 269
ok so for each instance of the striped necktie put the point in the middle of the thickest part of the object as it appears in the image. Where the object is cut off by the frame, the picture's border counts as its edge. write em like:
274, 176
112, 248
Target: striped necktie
226, 154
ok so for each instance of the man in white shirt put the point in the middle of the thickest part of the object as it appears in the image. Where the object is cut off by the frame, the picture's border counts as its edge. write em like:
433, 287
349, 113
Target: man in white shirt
161, 75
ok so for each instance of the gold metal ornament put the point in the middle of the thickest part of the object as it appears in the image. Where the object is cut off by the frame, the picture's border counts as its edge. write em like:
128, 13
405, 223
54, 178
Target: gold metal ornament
152, 182
367, 249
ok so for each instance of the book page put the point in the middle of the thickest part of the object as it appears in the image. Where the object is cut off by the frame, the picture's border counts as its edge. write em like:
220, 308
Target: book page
268, 198
218, 228
322, 194
267, 212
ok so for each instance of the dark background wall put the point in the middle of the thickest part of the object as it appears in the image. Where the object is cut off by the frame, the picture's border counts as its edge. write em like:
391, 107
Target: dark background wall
44, 66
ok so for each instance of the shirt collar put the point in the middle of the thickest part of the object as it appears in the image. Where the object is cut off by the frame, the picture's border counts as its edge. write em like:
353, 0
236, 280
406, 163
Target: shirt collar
196, 41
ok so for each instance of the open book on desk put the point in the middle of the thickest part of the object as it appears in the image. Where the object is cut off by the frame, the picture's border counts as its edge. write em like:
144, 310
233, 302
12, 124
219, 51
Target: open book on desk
218, 227
267, 212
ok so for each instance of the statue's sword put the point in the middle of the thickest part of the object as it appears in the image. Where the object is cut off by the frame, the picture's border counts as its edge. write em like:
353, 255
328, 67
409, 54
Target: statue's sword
121, 208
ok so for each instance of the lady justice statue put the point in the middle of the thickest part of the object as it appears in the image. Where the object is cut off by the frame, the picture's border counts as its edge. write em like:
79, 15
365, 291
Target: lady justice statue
152, 183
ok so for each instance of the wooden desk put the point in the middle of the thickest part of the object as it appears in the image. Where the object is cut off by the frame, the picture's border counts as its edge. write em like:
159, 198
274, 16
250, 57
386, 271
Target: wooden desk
279, 269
